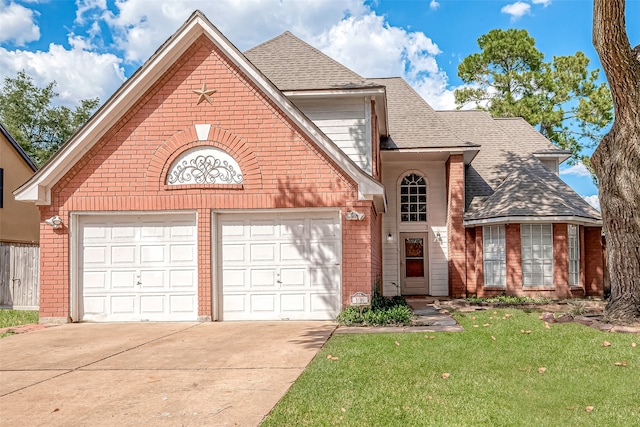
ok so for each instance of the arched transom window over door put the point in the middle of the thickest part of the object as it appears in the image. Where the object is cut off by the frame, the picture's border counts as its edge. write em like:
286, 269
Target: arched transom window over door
413, 198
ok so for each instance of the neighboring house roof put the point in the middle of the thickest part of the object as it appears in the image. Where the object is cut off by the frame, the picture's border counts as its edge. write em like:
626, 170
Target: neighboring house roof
18, 148
292, 64
506, 180
38, 188
412, 122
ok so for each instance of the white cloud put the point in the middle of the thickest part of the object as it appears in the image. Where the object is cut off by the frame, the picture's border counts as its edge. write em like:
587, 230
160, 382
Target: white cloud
18, 24
593, 201
579, 169
516, 10
93, 8
545, 3
80, 74
138, 29
360, 42
434, 5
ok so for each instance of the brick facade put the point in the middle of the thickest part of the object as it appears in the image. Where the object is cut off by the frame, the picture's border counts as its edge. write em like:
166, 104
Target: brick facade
126, 170
591, 264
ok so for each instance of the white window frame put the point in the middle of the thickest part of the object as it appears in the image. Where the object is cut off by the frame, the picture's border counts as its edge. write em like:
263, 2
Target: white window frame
537, 255
494, 256
573, 232
416, 197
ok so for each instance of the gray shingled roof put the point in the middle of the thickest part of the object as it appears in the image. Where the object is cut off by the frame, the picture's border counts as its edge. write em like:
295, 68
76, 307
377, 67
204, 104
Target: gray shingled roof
519, 129
505, 179
412, 122
292, 64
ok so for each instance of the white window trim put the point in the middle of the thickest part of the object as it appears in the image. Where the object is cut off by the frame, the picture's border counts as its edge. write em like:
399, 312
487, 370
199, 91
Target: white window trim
547, 280
489, 238
574, 261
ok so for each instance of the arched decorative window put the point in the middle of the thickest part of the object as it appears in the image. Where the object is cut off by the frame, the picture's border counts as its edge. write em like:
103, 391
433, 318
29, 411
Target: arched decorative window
413, 198
204, 165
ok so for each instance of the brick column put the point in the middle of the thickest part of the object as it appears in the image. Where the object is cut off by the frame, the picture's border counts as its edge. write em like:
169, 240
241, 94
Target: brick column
471, 256
514, 259
561, 260
594, 266
455, 227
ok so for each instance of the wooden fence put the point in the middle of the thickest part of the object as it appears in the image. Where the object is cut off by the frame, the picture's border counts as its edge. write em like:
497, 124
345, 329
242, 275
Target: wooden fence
19, 276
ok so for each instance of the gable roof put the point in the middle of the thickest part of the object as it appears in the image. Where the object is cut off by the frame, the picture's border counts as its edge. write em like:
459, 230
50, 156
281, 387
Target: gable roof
505, 179
412, 121
519, 129
38, 188
18, 148
292, 65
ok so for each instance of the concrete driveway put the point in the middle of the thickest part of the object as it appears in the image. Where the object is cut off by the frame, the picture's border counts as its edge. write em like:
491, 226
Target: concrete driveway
139, 374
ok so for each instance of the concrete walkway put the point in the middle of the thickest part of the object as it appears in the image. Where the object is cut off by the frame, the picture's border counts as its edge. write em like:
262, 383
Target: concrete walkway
167, 374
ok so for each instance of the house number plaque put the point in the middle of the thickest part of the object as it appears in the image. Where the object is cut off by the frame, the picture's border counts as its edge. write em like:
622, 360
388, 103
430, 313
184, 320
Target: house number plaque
360, 299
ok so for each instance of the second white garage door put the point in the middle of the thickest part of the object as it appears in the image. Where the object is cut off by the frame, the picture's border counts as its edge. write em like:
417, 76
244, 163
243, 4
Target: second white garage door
280, 266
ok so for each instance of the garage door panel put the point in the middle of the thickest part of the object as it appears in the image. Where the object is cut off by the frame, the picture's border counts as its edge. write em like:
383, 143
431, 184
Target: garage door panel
294, 228
138, 267
233, 278
123, 254
182, 303
262, 302
284, 243
261, 229
293, 252
293, 277
153, 279
181, 279
95, 254
182, 253
263, 278
325, 278
122, 304
293, 303
95, 280
123, 280
152, 304
324, 228
152, 253
234, 253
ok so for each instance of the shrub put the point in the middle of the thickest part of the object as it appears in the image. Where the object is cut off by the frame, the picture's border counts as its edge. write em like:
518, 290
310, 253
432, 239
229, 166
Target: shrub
383, 312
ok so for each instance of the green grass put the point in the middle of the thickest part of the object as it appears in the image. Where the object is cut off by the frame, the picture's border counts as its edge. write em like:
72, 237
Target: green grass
376, 382
16, 318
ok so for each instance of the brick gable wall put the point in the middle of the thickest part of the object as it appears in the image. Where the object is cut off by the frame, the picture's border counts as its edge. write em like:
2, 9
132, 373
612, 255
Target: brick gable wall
126, 171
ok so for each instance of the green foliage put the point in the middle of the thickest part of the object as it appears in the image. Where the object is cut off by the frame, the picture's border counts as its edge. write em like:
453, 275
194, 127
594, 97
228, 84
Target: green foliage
395, 379
28, 113
562, 98
384, 311
509, 299
10, 318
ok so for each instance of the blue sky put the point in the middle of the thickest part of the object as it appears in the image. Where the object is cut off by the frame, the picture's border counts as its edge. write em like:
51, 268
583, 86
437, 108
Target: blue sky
91, 46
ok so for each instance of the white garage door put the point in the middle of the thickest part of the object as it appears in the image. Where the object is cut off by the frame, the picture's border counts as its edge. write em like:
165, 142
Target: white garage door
138, 267
277, 267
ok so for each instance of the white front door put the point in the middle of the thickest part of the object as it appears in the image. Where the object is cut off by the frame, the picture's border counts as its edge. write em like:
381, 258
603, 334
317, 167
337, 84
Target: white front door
280, 266
414, 263
138, 267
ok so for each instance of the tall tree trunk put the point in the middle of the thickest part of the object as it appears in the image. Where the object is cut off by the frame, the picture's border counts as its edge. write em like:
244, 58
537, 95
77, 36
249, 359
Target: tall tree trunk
616, 161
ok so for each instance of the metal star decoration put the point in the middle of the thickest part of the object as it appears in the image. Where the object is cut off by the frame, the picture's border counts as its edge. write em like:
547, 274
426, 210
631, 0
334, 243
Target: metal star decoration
205, 95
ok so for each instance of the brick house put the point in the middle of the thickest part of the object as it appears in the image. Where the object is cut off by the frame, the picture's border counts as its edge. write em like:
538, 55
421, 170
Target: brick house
275, 183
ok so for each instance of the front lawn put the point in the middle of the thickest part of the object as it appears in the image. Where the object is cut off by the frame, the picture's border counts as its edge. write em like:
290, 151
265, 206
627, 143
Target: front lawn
16, 318
505, 369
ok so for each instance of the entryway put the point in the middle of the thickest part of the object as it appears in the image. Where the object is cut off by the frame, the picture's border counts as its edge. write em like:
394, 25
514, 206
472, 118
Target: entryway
414, 263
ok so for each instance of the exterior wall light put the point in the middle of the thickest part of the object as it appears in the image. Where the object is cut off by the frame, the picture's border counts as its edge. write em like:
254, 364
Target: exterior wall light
438, 238
354, 216
55, 222
389, 237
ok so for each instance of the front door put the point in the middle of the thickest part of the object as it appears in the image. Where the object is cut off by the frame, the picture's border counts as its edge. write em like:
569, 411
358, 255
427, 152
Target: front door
414, 264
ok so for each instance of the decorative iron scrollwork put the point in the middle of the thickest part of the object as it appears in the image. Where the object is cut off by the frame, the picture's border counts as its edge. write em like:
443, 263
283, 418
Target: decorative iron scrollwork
204, 169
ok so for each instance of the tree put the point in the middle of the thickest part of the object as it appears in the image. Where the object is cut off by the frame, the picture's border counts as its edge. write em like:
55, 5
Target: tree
562, 98
38, 126
617, 160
